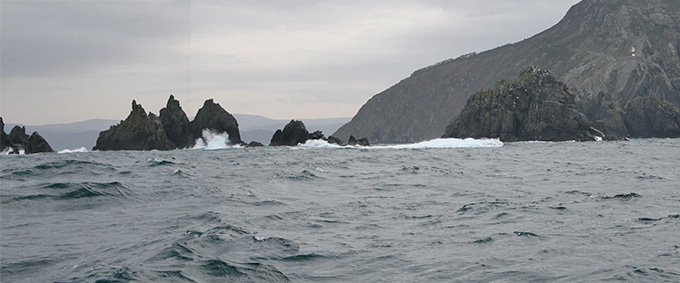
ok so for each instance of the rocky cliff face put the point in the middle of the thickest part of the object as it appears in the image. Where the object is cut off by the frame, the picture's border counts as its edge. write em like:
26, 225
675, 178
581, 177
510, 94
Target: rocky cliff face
138, 131
175, 123
534, 107
589, 50
18, 141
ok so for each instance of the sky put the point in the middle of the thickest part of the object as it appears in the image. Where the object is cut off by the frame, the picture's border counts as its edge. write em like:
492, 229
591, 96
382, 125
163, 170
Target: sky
67, 61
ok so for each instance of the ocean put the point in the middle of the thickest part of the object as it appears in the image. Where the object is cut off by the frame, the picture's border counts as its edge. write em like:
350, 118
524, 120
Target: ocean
440, 211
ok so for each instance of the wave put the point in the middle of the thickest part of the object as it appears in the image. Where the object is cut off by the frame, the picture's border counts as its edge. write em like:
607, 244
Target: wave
81, 149
73, 191
10, 150
448, 143
213, 140
435, 143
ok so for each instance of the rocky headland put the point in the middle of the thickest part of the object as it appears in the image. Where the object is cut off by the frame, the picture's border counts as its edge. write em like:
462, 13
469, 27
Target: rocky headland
18, 141
172, 130
535, 107
589, 50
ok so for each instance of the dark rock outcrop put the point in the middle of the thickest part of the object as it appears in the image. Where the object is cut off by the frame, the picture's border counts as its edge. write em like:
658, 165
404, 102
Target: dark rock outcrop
317, 135
176, 124
36, 143
589, 50
254, 144
138, 131
214, 118
652, 117
18, 138
4, 140
293, 134
171, 130
535, 107
18, 141
362, 141
334, 140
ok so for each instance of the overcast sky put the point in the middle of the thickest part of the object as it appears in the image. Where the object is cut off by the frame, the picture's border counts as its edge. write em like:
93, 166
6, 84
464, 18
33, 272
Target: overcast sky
67, 61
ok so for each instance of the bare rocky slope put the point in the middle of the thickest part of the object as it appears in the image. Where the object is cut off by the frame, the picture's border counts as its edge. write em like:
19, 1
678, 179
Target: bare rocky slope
589, 50
535, 107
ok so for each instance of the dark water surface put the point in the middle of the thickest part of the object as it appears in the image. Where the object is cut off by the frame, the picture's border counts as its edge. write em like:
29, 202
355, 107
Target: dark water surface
522, 212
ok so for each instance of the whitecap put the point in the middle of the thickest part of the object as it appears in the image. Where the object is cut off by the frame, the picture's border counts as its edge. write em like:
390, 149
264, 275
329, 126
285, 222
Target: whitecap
213, 140
260, 238
81, 149
435, 143
319, 144
446, 143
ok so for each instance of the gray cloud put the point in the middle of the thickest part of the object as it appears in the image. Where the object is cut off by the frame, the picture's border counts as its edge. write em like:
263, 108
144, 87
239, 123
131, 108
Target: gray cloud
47, 38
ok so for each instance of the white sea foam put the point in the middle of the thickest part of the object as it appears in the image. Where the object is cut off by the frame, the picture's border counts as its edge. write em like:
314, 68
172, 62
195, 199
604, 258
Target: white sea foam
213, 140
436, 143
319, 144
82, 149
446, 143
10, 150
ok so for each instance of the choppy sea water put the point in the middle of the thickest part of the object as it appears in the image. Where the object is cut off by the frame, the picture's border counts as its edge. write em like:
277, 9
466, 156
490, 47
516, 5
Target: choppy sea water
439, 211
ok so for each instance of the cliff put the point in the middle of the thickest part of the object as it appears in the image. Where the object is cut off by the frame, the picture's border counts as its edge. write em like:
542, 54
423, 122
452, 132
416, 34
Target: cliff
138, 131
589, 50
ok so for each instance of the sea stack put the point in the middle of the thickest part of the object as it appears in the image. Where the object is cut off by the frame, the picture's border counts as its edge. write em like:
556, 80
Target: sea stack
293, 133
214, 118
138, 131
18, 141
172, 130
175, 123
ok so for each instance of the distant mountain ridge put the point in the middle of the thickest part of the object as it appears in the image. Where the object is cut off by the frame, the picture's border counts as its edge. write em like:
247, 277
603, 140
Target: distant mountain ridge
589, 50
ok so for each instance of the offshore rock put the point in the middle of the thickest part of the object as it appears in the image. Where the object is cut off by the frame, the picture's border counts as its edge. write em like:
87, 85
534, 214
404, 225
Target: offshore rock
535, 107
175, 123
352, 141
334, 140
4, 140
138, 131
254, 144
317, 135
169, 131
213, 117
18, 141
36, 144
293, 134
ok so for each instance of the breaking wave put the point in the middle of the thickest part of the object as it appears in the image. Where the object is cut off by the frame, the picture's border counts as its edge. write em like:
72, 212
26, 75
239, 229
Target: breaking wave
447, 143
10, 150
436, 143
82, 149
213, 140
